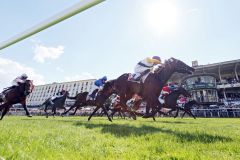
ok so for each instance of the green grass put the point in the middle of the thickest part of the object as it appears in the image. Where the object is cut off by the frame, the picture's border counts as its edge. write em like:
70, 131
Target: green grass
75, 138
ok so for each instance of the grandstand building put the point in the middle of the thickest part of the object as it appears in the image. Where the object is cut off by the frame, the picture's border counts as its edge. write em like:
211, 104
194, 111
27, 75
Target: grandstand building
227, 76
43, 92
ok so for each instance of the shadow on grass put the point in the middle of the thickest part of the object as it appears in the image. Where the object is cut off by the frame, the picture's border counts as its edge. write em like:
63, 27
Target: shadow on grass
124, 130
50, 120
172, 122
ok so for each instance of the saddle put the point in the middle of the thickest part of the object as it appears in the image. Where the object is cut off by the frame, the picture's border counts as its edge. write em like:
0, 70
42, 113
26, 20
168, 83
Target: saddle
141, 78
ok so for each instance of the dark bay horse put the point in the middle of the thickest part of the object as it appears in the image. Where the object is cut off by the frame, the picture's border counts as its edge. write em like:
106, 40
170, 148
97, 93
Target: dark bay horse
101, 98
58, 102
187, 108
170, 102
151, 88
16, 95
79, 103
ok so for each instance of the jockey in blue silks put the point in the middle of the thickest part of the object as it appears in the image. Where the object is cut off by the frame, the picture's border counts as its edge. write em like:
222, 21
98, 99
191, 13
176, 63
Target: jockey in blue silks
98, 85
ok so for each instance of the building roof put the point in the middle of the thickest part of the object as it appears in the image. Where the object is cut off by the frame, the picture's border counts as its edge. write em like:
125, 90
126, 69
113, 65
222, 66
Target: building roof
225, 63
66, 82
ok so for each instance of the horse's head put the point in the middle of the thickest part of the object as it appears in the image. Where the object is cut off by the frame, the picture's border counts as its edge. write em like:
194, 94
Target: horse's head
109, 87
179, 66
184, 92
28, 87
64, 92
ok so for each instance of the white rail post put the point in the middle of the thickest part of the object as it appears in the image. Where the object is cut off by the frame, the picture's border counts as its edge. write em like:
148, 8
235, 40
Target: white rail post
67, 13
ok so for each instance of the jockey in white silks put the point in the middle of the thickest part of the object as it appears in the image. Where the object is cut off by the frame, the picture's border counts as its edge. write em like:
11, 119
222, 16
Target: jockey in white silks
15, 83
20, 79
145, 66
58, 95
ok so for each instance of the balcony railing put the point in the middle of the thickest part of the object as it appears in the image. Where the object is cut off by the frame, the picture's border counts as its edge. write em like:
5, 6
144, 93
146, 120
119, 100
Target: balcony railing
228, 85
201, 86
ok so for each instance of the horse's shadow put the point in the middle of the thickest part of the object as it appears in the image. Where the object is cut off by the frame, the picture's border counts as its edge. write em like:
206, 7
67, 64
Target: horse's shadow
125, 130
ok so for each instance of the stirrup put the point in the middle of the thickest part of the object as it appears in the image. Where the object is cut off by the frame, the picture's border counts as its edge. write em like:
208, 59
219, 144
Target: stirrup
138, 79
134, 81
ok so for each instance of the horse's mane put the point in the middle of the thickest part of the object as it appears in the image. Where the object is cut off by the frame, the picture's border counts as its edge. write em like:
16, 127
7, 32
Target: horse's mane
109, 83
180, 90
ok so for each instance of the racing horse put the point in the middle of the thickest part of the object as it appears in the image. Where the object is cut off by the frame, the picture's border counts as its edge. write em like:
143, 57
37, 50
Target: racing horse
16, 95
101, 97
79, 103
170, 102
58, 102
148, 90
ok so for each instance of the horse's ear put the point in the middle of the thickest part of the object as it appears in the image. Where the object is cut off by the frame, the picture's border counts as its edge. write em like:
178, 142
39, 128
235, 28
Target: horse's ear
172, 59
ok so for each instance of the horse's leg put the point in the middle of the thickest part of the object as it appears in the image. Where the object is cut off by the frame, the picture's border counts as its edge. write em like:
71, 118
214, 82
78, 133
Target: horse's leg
25, 108
124, 115
153, 102
113, 112
54, 109
183, 114
5, 108
76, 108
69, 109
154, 118
45, 110
177, 113
189, 112
105, 111
95, 110
63, 111
123, 102
75, 111
101, 114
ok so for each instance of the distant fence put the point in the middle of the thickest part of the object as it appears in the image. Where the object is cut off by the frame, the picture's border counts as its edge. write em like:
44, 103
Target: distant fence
208, 113
224, 112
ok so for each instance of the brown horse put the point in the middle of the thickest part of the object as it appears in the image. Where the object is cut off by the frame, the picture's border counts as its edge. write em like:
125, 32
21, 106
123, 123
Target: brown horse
151, 88
101, 98
99, 101
170, 102
16, 95
187, 108
79, 103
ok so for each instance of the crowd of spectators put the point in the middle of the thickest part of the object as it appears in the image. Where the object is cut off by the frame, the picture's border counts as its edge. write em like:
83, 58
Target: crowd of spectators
229, 80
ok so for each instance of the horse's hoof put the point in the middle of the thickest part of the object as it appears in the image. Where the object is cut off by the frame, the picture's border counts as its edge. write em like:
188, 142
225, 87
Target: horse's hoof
146, 116
134, 117
29, 115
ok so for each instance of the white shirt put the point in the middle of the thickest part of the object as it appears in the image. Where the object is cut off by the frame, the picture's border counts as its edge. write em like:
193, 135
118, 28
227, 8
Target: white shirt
18, 80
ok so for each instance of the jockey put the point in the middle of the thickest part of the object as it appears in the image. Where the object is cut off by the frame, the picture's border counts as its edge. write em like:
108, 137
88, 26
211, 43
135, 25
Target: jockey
145, 66
20, 79
115, 100
167, 89
58, 95
182, 101
98, 85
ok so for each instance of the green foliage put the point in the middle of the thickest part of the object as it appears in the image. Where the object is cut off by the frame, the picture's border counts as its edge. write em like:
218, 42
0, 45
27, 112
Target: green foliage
75, 138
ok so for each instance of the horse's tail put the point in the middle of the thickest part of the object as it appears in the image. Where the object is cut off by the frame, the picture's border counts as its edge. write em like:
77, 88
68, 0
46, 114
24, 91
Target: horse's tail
45, 102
